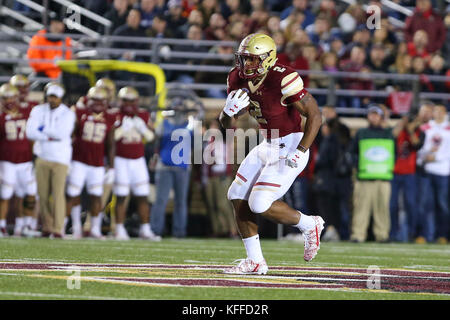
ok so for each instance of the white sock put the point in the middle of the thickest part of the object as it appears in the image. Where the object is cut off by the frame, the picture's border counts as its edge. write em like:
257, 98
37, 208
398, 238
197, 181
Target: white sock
19, 224
33, 223
3, 223
253, 248
75, 214
28, 220
96, 222
120, 228
305, 223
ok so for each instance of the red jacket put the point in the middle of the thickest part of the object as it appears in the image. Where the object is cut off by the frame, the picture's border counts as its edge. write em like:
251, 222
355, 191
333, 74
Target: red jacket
433, 25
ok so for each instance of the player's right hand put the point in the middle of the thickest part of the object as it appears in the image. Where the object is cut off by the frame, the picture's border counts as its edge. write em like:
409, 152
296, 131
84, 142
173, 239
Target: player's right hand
236, 101
127, 123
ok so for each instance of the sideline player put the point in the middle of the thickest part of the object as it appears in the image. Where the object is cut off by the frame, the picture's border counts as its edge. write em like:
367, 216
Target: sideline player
94, 139
274, 95
130, 166
16, 166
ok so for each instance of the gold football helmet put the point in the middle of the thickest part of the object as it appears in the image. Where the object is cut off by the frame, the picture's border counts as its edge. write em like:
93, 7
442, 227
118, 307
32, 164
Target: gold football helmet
256, 54
22, 83
129, 100
109, 85
97, 99
9, 96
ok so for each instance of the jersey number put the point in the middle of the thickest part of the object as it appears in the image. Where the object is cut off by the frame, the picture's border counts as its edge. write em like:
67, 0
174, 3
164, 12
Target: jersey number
279, 69
94, 132
15, 129
255, 112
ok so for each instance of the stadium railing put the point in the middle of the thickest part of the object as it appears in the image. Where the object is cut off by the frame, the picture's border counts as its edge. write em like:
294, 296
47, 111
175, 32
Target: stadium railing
164, 52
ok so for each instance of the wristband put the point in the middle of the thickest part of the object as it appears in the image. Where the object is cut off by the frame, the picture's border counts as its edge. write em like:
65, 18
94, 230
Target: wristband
302, 148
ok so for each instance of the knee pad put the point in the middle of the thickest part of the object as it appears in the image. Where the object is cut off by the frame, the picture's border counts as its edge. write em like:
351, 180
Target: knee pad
29, 202
73, 190
259, 202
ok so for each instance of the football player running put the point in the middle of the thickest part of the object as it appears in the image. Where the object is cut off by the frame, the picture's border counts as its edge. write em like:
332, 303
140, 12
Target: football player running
130, 166
94, 139
16, 166
275, 96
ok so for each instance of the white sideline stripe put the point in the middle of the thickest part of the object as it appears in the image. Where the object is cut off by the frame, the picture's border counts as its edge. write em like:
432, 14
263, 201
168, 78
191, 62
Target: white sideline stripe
52, 295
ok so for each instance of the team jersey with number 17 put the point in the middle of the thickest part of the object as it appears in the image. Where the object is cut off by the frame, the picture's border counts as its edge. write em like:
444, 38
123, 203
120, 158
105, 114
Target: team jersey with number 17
270, 98
14, 145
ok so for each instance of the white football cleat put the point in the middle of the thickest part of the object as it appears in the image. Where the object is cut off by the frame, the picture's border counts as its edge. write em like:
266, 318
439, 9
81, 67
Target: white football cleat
312, 239
27, 232
248, 266
146, 233
96, 234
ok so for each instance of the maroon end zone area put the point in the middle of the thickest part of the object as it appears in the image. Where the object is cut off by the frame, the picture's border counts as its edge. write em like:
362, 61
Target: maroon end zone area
308, 278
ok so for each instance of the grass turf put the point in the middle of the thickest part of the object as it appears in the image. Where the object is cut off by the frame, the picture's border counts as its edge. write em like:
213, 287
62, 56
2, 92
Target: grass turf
52, 284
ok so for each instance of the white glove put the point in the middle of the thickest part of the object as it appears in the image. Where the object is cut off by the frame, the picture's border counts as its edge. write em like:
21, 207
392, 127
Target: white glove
236, 103
127, 123
109, 176
293, 159
142, 128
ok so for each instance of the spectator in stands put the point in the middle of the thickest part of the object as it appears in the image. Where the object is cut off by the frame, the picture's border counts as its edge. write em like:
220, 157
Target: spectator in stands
218, 180
427, 19
159, 28
148, 11
418, 47
195, 33
309, 52
382, 36
372, 189
258, 20
131, 28
280, 41
409, 139
173, 172
237, 30
117, 14
337, 46
273, 24
355, 64
207, 8
292, 23
343, 168
319, 32
437, 68
292, 56
225, 59
379, 63
49, 44
175, 18
418, 67
216, 28
446, 47
434, 157
52, 124
325, 183
302, 6
194, 18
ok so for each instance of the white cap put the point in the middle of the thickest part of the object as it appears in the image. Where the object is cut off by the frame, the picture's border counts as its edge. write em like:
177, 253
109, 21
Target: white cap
55, 90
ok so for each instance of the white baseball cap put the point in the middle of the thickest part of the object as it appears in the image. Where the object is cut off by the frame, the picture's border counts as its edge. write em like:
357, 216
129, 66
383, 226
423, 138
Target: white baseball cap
55, 90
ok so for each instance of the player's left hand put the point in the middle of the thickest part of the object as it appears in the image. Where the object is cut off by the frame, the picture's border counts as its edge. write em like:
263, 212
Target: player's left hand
293, 158
140, 126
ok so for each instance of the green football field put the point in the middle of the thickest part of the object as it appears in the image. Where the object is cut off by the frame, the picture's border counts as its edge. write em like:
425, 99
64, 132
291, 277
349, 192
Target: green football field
191, 269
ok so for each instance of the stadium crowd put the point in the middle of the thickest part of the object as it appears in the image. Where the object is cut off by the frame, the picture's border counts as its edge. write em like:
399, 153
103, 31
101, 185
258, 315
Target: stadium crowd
310, 35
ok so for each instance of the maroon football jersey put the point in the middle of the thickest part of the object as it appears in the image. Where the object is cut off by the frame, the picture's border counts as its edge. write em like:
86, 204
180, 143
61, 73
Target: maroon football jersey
14, 145
270, 98
131, 144
90, 136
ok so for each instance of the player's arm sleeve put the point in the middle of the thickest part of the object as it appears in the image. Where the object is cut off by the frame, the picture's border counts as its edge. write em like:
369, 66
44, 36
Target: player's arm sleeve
292, 89
35, 125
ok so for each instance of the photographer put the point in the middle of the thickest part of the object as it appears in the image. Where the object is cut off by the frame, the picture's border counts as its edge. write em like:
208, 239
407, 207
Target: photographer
409, 139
